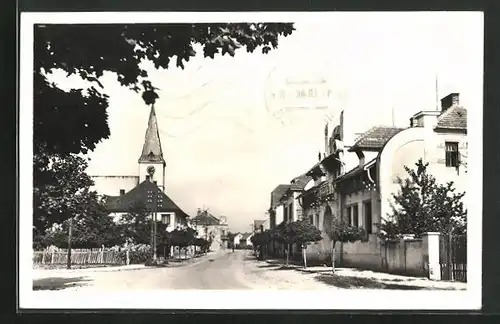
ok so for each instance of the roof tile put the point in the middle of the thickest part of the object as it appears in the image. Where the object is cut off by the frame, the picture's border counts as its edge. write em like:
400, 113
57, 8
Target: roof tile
205, 218
375, 137
139, 194
277, 193
454, 117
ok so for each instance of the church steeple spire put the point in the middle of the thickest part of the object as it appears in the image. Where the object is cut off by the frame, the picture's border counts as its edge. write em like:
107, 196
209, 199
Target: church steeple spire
151, 150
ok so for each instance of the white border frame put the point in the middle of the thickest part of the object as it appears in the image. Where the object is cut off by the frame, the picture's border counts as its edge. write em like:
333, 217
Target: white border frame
346, 299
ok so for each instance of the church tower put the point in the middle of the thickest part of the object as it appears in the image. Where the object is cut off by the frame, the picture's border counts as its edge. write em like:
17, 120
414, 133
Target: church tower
152, 156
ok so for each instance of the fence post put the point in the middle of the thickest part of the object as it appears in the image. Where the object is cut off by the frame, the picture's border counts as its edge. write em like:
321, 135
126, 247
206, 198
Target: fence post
127, 253
43, 256
430, 253
102, 254
52, 257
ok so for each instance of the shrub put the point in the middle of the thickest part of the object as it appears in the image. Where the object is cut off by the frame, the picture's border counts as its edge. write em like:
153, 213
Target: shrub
138, 253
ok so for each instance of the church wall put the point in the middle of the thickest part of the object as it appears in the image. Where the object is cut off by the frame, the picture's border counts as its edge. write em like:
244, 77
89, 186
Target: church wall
111, 185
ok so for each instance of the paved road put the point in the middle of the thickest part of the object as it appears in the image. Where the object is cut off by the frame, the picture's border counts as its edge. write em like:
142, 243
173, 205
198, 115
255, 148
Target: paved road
223, 270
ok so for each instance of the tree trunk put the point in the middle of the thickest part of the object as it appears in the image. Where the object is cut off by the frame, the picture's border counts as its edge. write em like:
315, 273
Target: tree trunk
304, 255
333, 256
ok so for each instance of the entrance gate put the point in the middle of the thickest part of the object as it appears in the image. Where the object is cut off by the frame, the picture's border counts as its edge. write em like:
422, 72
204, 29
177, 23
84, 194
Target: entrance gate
453, 257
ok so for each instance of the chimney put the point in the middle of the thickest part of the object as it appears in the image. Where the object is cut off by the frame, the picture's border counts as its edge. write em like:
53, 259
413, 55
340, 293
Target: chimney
122, 192
148, 177
450, 100
198, 212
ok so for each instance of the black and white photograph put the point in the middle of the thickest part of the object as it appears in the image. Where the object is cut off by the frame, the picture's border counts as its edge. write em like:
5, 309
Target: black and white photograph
250, 160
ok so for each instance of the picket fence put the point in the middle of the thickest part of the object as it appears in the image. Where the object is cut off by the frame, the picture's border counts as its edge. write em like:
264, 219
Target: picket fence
78, 256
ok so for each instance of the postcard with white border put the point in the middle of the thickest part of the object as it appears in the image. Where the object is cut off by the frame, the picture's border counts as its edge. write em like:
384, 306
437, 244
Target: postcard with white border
250, 160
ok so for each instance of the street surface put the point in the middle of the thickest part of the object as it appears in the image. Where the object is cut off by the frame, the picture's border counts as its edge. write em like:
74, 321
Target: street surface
225, 270
222, 270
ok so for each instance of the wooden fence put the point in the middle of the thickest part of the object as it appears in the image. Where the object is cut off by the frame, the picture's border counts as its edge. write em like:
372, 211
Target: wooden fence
78, 256
453, 257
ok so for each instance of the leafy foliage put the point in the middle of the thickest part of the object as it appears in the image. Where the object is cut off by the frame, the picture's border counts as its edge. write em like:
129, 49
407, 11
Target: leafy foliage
261, 238
229, 237
281, 234
63, 190
138, 253
340, 231
75, 121
423, 205
182, 237
202, 243
92, 229
136, 224
303, 232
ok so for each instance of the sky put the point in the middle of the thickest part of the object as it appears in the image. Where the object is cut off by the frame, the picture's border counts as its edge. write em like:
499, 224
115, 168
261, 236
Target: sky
228, 142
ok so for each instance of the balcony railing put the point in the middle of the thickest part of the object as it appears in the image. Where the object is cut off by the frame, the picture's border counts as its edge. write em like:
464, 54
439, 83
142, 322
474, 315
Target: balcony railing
326, 189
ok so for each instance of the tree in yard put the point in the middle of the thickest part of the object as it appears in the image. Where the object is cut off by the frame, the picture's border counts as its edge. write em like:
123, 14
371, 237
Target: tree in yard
182, 238
63, 190
303, 233
136, 224
202, 244
283, 235
423, 205
93, 228
340, 231
229, 238
261, 240
66, 209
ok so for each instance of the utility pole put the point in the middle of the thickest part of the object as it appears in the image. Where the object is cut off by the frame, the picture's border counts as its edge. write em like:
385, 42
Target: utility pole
156, 201
70, 233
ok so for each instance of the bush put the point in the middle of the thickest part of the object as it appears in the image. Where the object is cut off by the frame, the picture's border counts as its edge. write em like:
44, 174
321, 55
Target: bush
138, 253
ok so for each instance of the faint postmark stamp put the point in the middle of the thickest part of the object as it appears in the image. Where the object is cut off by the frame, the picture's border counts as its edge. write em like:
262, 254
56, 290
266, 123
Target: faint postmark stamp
290, 90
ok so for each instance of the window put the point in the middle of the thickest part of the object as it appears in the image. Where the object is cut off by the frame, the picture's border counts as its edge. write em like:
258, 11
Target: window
290, 212
165, 219
368, 217
317, 221
348, 215
122, 192
311, 219
355, 218
452, 154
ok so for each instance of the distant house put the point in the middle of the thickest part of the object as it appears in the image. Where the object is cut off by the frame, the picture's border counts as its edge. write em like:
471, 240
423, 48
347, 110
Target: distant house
210, 227
245, 240
276, 208
236, 239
